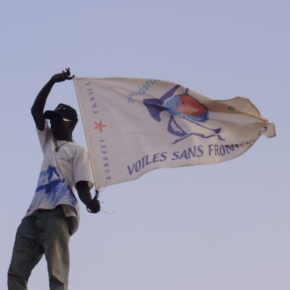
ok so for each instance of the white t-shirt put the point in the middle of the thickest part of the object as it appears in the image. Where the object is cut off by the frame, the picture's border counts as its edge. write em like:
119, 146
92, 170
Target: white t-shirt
60, 171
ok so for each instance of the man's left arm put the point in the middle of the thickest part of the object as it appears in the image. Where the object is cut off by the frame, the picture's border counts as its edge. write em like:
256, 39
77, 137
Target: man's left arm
92, 204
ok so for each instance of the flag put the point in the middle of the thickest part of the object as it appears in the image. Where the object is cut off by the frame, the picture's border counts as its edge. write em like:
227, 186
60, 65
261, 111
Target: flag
133, 126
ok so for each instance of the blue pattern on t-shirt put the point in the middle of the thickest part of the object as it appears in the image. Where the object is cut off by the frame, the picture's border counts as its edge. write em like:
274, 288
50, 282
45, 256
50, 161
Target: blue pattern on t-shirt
52, 191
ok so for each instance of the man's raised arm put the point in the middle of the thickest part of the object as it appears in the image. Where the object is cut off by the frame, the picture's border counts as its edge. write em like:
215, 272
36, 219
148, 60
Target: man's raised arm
39, 103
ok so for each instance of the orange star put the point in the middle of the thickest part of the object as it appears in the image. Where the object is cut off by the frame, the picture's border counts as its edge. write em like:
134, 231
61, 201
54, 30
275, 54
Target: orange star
99, 126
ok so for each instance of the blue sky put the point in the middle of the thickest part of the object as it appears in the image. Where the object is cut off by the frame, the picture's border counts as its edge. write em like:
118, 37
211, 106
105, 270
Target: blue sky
210, 227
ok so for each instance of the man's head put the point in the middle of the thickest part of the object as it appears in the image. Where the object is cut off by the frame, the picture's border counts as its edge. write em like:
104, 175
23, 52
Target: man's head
63, 120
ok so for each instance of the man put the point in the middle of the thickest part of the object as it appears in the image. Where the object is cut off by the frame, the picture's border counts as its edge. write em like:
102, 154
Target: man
53, 215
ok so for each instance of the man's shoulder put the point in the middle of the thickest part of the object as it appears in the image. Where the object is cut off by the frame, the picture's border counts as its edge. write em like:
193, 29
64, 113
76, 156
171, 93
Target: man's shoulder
77, 147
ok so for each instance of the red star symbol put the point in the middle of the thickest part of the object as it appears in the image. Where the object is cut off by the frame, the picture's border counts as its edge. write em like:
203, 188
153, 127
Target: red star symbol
99, 126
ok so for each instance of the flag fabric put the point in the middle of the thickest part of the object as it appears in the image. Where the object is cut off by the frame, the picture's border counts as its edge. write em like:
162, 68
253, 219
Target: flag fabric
133, 126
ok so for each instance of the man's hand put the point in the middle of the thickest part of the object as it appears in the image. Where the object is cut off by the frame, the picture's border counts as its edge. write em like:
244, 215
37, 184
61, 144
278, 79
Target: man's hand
65, 75
93, 206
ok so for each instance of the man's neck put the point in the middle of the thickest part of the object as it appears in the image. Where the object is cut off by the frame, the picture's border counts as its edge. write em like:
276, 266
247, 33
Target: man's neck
64, 138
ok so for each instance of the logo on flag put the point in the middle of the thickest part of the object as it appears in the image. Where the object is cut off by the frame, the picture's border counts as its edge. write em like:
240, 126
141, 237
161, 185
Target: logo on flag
182, 106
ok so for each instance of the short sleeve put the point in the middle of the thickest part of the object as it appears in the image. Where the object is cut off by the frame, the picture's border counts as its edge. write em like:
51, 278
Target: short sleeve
82, 169
44, 136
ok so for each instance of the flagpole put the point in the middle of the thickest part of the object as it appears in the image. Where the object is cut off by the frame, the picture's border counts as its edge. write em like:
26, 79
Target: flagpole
86, 134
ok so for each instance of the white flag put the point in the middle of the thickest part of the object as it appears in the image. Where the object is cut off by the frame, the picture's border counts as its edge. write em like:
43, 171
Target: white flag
136, 125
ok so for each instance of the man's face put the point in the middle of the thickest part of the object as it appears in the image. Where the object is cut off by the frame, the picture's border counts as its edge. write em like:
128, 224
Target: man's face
61, 127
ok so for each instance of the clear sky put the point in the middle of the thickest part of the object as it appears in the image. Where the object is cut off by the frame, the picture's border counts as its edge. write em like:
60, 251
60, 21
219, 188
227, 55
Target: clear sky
209, 227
